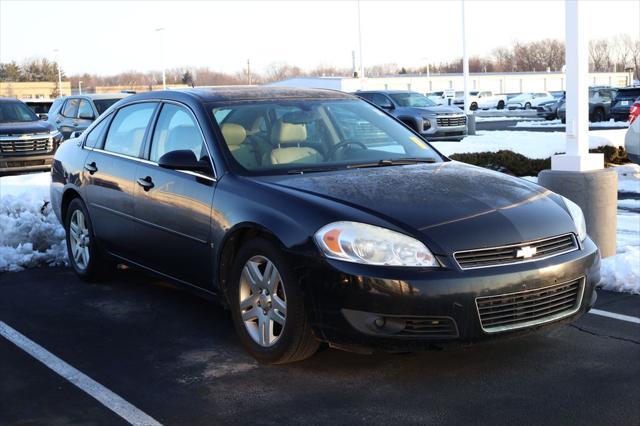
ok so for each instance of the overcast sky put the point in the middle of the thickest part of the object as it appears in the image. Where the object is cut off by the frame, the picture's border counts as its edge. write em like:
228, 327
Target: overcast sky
107, 37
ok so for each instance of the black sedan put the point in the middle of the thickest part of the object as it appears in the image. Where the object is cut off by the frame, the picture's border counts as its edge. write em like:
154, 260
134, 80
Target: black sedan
316, 217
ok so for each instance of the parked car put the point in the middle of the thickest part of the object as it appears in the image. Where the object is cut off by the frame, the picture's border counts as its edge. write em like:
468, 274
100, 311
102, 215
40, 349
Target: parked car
315, 217
26, 142
558, 94
632, 141
75, 113
529, 100
482, 99
40, 106
444, 97
434, 122
634, 111
622, 102
549, 109
599, 105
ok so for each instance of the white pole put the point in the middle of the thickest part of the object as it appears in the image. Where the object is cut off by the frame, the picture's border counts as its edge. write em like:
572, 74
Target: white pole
249, 70
164, 77
59, 72
577, 156
360, 43
465, 60
79, 87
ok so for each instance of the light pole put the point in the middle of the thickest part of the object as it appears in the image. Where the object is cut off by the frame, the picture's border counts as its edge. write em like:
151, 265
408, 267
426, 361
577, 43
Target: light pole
59, 72
465, 60
249, 71
164, 77
80, 87
360, 43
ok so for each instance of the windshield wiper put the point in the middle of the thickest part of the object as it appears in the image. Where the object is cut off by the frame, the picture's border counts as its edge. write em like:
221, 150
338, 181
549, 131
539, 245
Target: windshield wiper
392, 162
311, 170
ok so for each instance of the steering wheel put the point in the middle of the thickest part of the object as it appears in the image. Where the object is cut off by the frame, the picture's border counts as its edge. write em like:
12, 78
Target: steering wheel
344, 143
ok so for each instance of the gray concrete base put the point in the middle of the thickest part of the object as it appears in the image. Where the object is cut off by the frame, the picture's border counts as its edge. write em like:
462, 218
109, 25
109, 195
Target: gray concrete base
471, 124
596, 192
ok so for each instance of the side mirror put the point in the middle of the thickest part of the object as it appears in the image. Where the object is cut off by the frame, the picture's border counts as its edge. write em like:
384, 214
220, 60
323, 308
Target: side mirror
76, 134
43, 116
388, 106
183, 159
86, 116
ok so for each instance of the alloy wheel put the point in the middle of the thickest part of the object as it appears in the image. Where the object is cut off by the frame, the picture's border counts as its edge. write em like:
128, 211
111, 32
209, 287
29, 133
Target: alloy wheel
79, 239
263, 302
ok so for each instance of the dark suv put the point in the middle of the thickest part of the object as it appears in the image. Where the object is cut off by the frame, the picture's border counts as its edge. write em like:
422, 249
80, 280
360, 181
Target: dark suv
622, 102
434, 122
76, 113
26, 142
600, 101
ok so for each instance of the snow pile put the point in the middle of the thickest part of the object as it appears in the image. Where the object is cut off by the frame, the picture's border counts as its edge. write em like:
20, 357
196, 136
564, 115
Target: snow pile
481, 118
558, 124
621, 272
628, 178
530, 144
30, 234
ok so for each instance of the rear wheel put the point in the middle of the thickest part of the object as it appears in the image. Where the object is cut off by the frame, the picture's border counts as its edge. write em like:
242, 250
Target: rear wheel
598, 115
267, 305
84, 256
500, 104
473, 106
527, 105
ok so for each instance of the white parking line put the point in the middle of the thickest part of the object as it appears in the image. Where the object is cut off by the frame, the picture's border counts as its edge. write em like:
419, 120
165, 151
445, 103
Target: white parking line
620, 317
107, 398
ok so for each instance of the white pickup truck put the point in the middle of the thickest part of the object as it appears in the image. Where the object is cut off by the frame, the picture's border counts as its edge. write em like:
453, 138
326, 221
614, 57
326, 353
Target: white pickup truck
481, 99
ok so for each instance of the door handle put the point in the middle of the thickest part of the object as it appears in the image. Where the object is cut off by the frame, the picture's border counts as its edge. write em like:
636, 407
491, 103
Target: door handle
91, 167
146, 183
58, 121
74, 124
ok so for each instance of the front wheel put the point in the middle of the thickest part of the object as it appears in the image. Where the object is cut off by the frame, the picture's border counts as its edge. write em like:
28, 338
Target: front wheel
501, 105
267, 305
527, 105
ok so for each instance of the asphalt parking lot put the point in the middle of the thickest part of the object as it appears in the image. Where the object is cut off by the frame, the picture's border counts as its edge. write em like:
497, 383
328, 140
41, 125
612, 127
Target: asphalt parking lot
175, 358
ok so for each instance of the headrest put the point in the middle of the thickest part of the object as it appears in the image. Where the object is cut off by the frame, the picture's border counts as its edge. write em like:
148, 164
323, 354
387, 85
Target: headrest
284, 133
234, 134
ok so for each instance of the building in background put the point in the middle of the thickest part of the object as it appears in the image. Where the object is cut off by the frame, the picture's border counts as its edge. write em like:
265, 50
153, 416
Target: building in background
33, 89
515, 82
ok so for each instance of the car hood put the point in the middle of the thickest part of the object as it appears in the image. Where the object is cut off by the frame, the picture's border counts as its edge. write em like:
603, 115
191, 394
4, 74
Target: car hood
21, 128
451, 206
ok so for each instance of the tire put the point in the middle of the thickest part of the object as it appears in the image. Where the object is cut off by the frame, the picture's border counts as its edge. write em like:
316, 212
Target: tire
527, 105
501, 105
473, 106
598, 115
88, 262
270, 335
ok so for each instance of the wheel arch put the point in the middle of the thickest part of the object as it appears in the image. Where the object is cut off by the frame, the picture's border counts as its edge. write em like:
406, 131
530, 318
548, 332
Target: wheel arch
230, 246
67, 196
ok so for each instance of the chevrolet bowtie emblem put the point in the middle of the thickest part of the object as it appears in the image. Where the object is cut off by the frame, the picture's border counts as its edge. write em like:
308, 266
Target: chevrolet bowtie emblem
526, 252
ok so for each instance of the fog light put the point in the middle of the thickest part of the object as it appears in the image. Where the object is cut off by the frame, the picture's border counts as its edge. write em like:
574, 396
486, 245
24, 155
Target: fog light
379, 322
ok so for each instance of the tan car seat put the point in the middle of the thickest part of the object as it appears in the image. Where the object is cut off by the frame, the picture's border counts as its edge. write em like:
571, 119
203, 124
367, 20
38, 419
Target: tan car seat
286, 136
234, 136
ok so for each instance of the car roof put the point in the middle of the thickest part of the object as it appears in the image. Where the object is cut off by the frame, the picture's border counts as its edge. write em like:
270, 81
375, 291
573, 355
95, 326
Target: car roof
389, 92
240, 93
9, 100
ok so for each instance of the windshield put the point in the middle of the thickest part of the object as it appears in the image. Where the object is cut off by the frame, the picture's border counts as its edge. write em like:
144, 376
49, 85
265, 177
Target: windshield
103, 104
412, 100
16, 112
286, 136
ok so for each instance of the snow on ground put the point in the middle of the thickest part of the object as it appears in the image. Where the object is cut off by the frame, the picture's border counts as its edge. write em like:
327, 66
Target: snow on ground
30, 234
500, 118
558, 124
529, 144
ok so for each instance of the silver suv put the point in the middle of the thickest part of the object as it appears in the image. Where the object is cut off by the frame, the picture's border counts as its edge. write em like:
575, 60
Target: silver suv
434, 122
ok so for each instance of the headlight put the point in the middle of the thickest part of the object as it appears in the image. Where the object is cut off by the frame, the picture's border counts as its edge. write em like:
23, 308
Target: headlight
578, 218
371, 245
426, 123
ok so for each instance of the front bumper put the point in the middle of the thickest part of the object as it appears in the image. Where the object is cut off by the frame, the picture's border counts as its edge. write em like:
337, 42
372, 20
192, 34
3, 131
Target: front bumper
24, 163
346, 300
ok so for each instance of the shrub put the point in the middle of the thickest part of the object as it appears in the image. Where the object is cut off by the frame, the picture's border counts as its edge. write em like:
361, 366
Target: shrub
518, 165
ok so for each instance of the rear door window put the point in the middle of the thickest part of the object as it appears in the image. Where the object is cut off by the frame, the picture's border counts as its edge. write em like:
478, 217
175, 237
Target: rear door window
70, 109
95, 134
127, 130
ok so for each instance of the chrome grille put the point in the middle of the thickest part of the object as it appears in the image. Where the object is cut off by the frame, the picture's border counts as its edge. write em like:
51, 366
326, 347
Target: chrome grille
451, 121
25, 146
516, 253
528, 308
